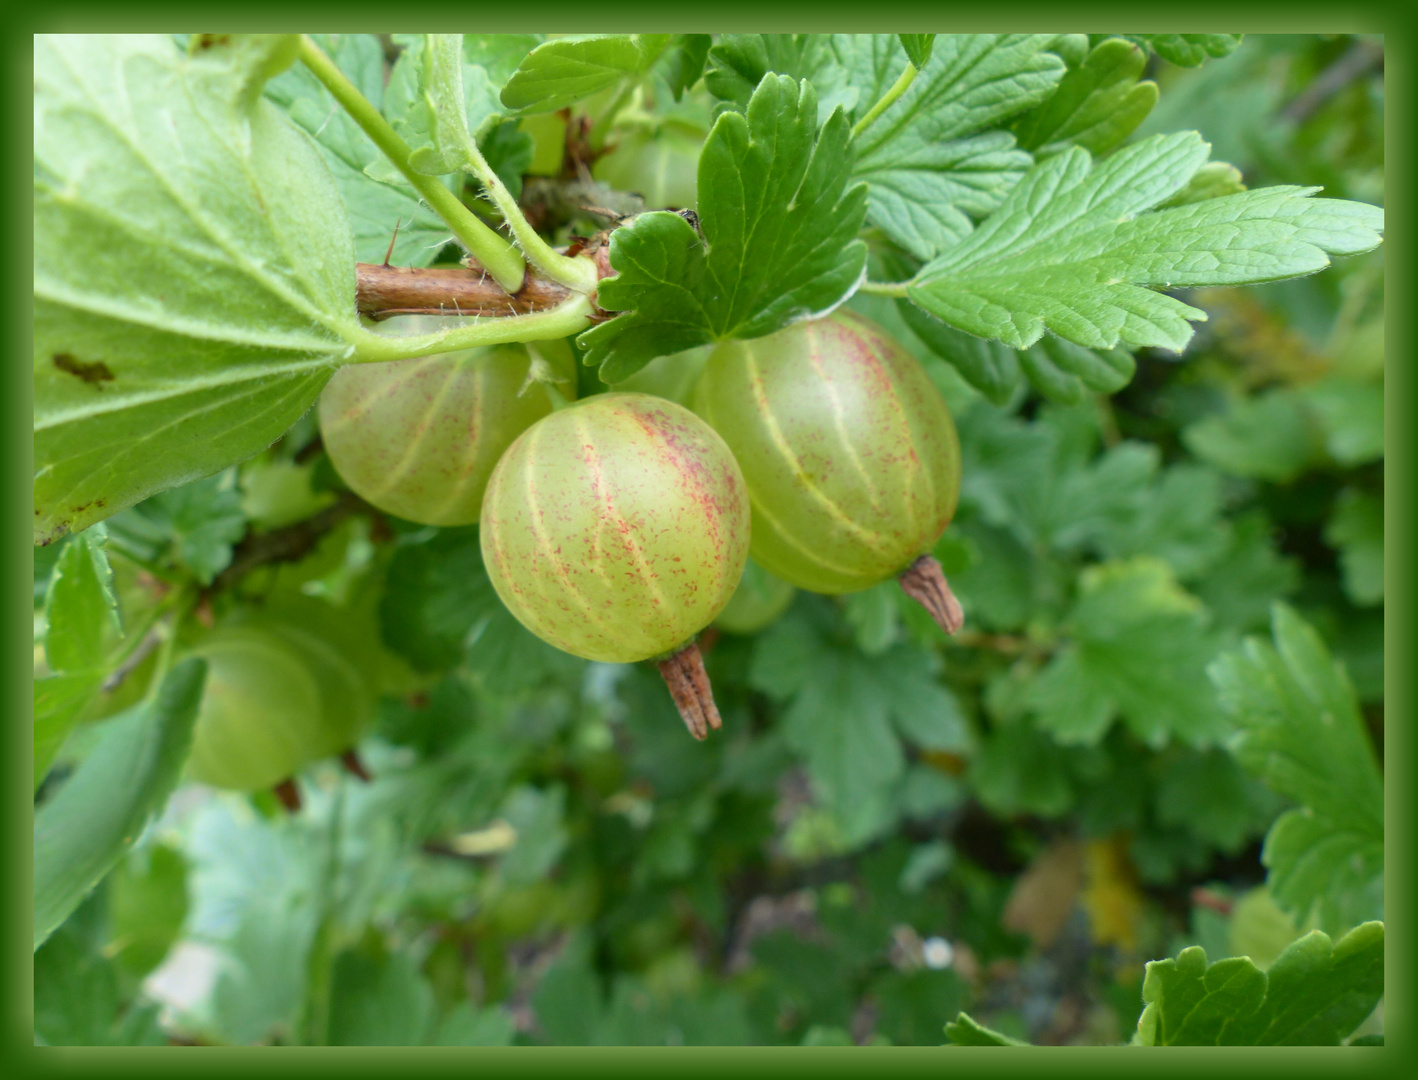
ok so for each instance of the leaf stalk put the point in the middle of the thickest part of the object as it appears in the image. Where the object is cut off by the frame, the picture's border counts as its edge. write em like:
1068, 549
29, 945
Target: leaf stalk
899, 87
501, 258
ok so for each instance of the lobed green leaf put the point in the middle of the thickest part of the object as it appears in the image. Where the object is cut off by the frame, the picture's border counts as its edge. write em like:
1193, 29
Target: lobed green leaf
1301, 733
779, 224
1072, 250
1315, 994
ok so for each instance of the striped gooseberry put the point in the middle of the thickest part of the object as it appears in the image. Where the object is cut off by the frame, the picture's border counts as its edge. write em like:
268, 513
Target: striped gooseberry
419, 438
281, 692
616, 529
849, 453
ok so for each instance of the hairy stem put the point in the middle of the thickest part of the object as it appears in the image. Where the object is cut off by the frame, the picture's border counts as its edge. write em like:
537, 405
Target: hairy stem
570, 317
575, 273
898, 88
501, 258
924, 581
684, 674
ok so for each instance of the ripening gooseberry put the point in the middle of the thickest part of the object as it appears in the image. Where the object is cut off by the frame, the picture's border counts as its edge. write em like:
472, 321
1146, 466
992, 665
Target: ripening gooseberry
419, 438
849, 453
617, 529
280, 693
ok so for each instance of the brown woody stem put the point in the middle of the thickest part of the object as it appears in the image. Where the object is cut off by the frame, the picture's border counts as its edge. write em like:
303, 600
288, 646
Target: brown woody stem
924, 581
289, 794
382, 291
684, 674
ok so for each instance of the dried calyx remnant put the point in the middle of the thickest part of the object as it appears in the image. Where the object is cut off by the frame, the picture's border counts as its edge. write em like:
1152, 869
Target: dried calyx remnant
924, 581
684, 674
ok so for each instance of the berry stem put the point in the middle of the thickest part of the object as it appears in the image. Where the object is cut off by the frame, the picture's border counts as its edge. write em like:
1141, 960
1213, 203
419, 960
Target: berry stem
689, 685
924, 581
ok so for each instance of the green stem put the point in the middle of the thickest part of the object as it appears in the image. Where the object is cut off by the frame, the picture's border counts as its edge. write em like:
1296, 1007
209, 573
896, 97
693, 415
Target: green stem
499, 257
574, 273
897, 89
571, 317
884, 288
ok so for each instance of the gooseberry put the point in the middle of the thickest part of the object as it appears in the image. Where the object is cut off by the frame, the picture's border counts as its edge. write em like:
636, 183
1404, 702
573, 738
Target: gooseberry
278, 696
419, 438
850, 456
616, 529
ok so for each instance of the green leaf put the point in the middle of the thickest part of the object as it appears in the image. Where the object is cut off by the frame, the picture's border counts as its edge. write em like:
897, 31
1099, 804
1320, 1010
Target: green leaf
1138, 650
379, 1001
779, 223
931, 160
193, 275
844, 712
1267, 437
436, 595
988, 366
1212, 797
1072, 250
562, 72
1096, 106
1301, 733
147, 906
1211, 181
738, 63
193, 526
1177, 520
433, 115
1356, 528
375, 206
911, 1003
468, 1026
1351, 413
80, 609
918, 47
1315, 994
1191, 50
78, 999
966, 1031
106, 804
1249, 575
683, 62
1042, 481
255, 886
536, 816
59, 701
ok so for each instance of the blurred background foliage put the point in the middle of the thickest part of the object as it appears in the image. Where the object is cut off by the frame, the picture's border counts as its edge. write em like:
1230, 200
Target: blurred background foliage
892, 826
